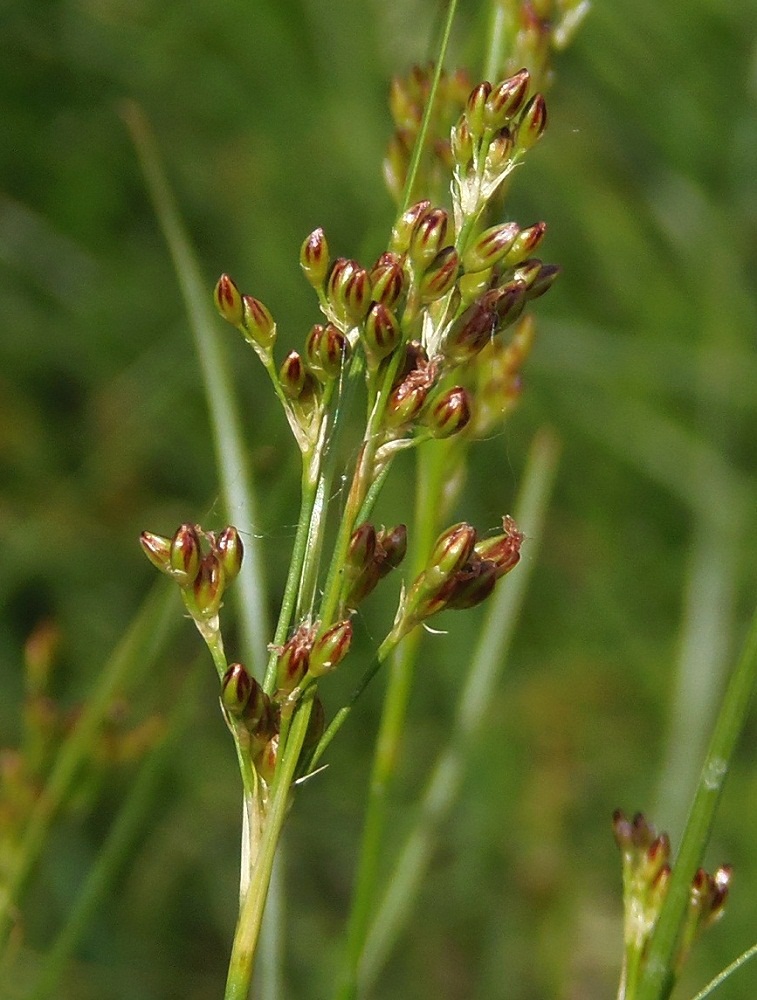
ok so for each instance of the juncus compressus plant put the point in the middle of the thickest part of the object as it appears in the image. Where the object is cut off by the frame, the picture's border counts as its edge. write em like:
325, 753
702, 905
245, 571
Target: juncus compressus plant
423, 347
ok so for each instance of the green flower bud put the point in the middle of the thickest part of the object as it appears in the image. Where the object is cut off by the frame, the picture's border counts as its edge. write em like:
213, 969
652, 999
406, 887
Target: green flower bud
391, 546
265, 762
524, 244
157, 548
293, 660
526, 273
349, 291
387, 280
405, 109
327, 349
461, 143
532, 123
292, 375
208, 587
503, 550
381, 334
475, 109
490, 247
428, 238
451, 550
405, 225
330, 648
406, 401
361, 573
440, 276
228, 300
230, 552
257, 323
543, 280
472, 286
500, 151
236, 688
450, 413
472, 329
396, 162
314, 258
186, 554
507, 98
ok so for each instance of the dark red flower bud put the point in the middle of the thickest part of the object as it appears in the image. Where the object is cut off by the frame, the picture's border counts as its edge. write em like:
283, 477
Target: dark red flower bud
186, 553
440, 276
387, 280
236, 688
208, 587
532, 123
507, 98
228, 300
391, 546
381, 334
292, 375
257, 323
157, 548
230, 552
475, 109
330, 648
314, 258
450, 413
428, 237
490, 247
404, 226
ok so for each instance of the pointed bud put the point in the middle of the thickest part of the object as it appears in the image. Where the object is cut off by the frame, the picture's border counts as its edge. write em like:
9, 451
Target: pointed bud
391, 546
475, 109
526, 273
474, 285
349, 290
396, 162
381, 335
157, 548
428, 238
314, 258
543, 281
293, 660
208, 586
461, 143
525, 244
507, 98
490, 247
257, 323
236, 688
230, 552
327, 349
500, 151
406, 402
532, 123
472, 330
228, 300
404, 226
450, 413
265, 762
470, 586
186, 554
503, 551
292, 375
361, 573
330, 648
440, 276
387, 280
452, 549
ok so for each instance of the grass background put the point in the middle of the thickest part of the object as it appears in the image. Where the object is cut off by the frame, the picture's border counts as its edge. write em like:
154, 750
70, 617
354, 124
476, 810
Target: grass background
272, 120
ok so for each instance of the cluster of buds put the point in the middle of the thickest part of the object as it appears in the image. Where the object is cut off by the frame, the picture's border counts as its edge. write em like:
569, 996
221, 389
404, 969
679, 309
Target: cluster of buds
408, 98
460, 573
251, 713
311, 653
646, 865
202, 572
371, 555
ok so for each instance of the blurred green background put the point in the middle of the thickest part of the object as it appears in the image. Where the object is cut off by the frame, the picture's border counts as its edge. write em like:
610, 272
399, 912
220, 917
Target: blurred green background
271, 118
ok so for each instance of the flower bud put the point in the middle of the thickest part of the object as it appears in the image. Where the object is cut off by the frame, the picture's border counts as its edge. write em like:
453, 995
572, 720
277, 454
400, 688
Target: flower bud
543, 281
236, 688
440, 276
524, 244
475, 109
406, 402
330, 648
327, 348
292, 375
506, 99
230, 552
228, 300
452, 549
450, 413
490, 247
500, 151
349, 291
314, 258
396, 162
428, 238
470, 586
257, 323
461, 143
391, 546
526, 273
157, 548
207, 590
503, 551
361, 573
265, 762
532, 123
186, 554
472, 329
404, 226
293, 660
473, 285
387, 280
381, 334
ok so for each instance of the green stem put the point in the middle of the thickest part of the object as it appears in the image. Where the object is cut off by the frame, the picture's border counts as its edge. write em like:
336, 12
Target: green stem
251, 912
658, 975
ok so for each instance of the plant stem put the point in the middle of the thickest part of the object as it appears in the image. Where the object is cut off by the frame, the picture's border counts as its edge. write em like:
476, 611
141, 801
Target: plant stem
658, 975
251, 912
